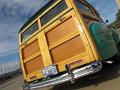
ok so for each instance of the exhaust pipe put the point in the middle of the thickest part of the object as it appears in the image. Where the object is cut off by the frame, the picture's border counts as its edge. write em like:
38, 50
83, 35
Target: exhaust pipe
109, 62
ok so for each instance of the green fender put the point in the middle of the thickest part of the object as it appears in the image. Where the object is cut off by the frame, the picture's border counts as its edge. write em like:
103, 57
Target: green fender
115, 35
104, 40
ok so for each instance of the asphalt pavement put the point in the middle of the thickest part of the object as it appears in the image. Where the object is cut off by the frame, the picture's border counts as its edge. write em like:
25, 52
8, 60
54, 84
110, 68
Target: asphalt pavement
107, 79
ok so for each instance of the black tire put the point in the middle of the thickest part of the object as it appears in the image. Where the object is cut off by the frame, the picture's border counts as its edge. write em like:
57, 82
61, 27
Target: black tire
118, 55
118, 47
26, 86
116, 58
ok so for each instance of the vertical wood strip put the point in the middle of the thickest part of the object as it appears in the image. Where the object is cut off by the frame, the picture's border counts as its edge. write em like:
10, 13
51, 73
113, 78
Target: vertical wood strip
44, 49
22, 65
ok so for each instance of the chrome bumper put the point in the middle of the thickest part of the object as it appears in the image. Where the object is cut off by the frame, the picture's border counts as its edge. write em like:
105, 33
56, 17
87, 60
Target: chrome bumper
77, 73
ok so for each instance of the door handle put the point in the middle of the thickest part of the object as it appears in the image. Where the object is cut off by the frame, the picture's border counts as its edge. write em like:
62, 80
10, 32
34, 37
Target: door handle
62, 18
25, 44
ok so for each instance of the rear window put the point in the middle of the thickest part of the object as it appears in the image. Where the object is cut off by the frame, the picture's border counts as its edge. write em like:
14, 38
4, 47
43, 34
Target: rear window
83, 7
53, 12
33, 28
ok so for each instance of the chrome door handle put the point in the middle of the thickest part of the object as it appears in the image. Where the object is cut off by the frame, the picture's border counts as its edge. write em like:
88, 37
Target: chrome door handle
62, 18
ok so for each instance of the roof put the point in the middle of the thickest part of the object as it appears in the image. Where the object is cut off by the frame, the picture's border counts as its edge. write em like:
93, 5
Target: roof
37, 14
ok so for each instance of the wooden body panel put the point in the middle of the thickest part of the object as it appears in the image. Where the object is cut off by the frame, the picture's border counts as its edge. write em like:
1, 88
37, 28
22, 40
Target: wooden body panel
34, 65
62, 42
67, 50
32, 60
61, 31
30, 49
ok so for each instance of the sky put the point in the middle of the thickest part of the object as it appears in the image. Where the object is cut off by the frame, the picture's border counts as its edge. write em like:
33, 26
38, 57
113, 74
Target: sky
14, 13
106, 8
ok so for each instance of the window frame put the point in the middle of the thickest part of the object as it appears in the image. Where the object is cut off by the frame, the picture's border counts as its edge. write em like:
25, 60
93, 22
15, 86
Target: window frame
27, 28
66, 6
52, 20
93, 14
85, 6
41, 28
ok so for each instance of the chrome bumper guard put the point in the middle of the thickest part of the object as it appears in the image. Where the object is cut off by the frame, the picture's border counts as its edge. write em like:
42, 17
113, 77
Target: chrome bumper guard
77, 73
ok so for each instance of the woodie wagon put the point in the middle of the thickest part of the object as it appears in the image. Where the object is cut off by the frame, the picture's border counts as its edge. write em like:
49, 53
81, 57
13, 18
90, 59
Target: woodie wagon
65, 40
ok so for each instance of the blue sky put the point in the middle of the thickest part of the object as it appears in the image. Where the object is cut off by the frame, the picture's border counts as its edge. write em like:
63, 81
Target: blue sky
106, 8
14, 13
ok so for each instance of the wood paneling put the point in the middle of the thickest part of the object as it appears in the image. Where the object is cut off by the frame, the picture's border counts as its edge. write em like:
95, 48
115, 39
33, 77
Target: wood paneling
60, 31
44, 49
68, 49
34, 65
30, 49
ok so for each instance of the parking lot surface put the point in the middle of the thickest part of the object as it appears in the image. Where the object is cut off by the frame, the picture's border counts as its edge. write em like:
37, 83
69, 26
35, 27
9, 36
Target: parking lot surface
107, 79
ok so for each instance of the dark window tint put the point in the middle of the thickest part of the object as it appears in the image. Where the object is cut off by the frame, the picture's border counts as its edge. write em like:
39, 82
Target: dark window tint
82, 7
53, 12
34, 27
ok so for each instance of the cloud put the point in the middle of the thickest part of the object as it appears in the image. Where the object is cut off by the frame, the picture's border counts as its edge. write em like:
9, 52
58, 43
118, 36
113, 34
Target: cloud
13, 14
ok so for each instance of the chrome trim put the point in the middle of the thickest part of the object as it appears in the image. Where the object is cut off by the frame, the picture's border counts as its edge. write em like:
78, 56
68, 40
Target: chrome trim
78, 73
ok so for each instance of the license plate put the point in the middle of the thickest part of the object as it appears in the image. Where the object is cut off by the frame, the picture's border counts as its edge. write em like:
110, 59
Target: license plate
50, 70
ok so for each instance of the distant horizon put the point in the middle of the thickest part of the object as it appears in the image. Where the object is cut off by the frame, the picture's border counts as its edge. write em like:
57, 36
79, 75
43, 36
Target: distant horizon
9, 58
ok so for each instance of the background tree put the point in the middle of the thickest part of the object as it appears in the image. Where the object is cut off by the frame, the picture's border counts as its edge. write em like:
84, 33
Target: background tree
118, 19
116, 23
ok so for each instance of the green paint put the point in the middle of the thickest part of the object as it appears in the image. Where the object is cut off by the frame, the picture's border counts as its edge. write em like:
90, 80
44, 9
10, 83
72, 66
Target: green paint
104, 40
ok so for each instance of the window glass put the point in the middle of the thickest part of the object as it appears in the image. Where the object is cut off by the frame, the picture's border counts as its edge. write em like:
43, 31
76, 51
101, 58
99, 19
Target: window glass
82, 7
53, 12
34, 27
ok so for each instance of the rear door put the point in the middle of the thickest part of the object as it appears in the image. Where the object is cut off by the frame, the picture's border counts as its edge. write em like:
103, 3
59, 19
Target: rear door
61, 42
64, 41
31, 59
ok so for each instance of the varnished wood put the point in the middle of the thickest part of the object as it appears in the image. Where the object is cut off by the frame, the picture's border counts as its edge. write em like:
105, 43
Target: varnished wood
44, 49
31, 57
30, 49
64, 29
63, 40
34, 65
67, 50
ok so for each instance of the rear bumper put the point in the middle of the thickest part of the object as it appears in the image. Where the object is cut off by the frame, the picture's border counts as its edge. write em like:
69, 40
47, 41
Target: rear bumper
77, 73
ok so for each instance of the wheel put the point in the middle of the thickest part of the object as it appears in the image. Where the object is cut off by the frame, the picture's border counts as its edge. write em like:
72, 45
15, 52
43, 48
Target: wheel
116, 58
26, 86
118, 48
118, 55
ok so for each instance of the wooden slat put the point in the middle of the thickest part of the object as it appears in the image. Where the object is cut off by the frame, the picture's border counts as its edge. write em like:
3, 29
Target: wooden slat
67, 50
32, 56
34, 65
58, 32
65, 39
30, 49
44, 49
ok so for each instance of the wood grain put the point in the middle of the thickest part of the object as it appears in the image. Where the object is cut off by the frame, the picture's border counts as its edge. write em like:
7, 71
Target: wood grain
30, 49
34, 65
64, 29
67, 50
